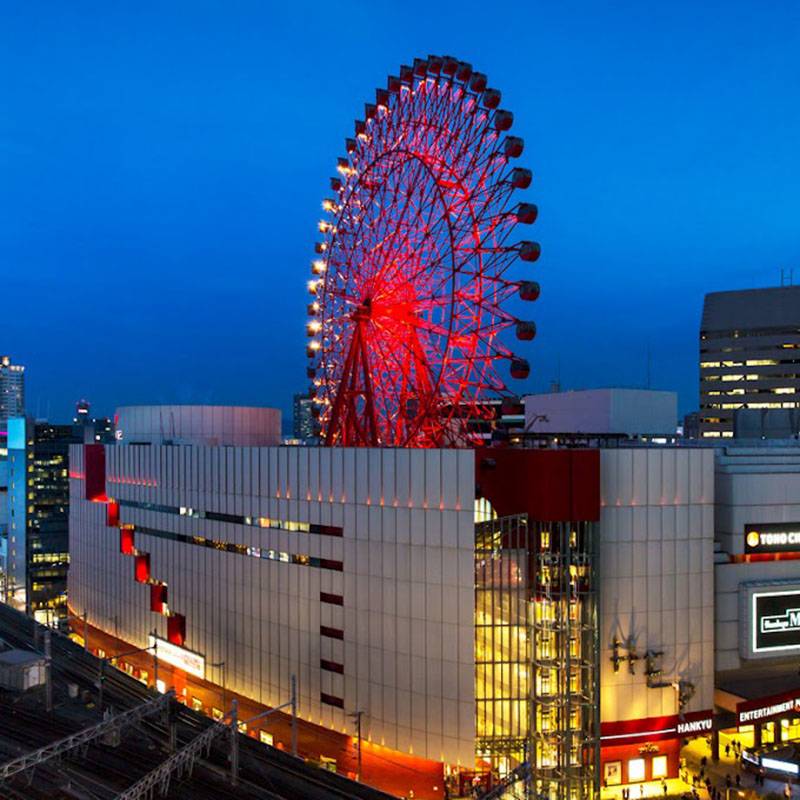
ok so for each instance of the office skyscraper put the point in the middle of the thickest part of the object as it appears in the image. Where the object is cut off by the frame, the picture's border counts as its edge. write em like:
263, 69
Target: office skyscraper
304, 425
749, 355
12, 389
38, 501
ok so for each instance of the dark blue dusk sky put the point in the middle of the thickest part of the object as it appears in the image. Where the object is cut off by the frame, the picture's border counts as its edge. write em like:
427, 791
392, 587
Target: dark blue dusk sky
162, 166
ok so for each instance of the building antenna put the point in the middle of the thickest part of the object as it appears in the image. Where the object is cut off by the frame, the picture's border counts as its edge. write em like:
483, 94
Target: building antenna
787, 276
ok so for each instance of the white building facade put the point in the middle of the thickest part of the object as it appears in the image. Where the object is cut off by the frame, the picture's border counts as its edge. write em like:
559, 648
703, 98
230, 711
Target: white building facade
351, 568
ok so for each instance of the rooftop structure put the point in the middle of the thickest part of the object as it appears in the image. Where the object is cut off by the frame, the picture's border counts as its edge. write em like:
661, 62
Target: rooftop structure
623, 412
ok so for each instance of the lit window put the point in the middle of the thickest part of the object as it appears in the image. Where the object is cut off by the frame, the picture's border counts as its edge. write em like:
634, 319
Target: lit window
242, 727
216, 713
161, 686
264, 737
197, 704
660, 765
636, 770
544, 538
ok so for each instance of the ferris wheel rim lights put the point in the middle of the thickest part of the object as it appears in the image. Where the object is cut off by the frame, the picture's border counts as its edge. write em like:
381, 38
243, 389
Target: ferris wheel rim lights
411, 277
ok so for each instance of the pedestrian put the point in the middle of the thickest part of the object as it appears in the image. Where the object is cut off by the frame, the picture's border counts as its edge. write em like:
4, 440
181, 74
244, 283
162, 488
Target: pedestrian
728, 782
704, 762
641, 790
727, 750
787, 791
738, 781
664, 787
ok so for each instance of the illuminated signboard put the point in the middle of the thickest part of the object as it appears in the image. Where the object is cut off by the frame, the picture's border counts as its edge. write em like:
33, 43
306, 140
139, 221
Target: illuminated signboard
180, 657
753, 711
775, 621
778, 537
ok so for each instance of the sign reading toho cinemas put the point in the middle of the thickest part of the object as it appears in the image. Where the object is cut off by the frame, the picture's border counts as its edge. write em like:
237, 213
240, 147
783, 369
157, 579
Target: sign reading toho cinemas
782, 537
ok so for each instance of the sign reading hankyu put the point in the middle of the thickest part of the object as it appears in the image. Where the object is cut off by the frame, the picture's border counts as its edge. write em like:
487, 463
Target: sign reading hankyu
775, 621
654, 729
689, 727
772, 537
179, 657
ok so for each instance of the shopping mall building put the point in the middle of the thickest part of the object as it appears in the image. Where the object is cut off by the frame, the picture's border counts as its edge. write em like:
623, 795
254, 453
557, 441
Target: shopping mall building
588, 609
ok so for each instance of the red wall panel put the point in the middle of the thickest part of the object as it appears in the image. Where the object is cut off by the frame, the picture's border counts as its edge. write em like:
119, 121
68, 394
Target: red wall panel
158, 597
126, 541
94, 459
547, 485
176, 629
141, 569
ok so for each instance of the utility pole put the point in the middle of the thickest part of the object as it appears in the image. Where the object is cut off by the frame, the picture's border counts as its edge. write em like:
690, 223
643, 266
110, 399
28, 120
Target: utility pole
155, 659
86, 630
234, 742
356, 715
294, 716
101, 677
173, 725
48, 668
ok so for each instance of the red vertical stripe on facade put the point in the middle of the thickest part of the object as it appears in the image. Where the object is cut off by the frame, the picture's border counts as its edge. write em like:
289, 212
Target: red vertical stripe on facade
94, 460
126, 541
158, 597
141, 569
176, 629
112, 514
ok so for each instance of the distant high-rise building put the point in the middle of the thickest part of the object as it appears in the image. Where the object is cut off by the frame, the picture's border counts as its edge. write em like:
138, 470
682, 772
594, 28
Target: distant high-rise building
305, 428
82, 409
749, 355
37, 547
12, 389
92, 429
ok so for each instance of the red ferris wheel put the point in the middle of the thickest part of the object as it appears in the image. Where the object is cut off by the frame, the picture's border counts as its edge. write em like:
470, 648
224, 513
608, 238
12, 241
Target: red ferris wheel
414, 269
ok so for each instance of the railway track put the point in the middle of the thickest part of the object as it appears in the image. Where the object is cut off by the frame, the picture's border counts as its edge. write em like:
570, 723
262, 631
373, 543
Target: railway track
103, 771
